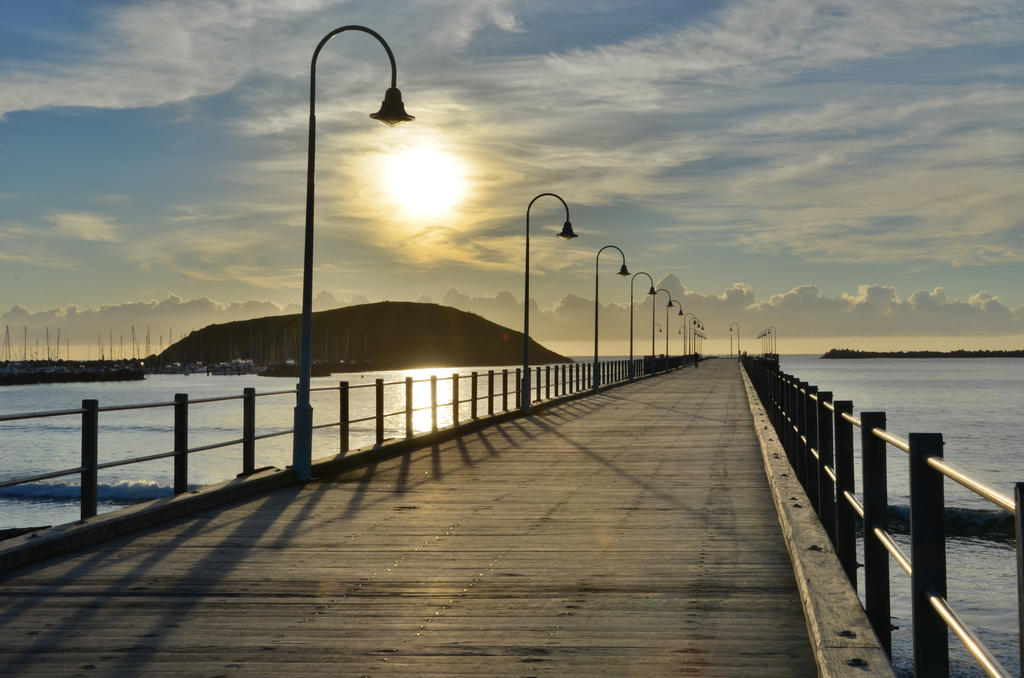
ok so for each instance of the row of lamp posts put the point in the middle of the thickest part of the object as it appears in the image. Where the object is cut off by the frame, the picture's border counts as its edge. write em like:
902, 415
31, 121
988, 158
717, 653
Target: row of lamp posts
392, 112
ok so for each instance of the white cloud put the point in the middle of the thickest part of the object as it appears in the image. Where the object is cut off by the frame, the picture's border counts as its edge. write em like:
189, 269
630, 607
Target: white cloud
92, 227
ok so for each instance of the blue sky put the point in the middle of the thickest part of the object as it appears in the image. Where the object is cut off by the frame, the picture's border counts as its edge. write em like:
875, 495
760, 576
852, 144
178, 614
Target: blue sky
849, 172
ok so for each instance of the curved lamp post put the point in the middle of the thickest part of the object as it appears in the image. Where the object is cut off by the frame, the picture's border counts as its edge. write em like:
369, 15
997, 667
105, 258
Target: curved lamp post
651, 293
738, 352
775, 341
566, 234
667, 307
687, 343
623, 272
392, 112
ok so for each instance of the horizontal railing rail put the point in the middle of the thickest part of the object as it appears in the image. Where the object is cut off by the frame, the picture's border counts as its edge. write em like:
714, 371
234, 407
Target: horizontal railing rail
816, 433
495, 395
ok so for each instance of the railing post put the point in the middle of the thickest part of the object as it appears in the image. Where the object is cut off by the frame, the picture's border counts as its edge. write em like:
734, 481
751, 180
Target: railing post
343, 417
826, 460
90, 457
809, 414
547, 382
472, 395
1018, 516
455, 399
408, 407
180, 443
928, 556
379, 409
504, 390
248, 431
846, 515
876, 509
538, 384
490, 392
519, 388
433, 403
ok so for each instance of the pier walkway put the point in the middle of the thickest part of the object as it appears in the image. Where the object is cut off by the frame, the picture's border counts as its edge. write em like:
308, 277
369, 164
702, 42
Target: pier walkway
629, 533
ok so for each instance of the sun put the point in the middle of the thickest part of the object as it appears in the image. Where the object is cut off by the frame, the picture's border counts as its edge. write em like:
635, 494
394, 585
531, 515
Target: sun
425, 182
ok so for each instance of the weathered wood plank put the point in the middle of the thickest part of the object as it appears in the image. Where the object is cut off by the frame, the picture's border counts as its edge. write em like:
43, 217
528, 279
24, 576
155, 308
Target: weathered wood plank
629, 533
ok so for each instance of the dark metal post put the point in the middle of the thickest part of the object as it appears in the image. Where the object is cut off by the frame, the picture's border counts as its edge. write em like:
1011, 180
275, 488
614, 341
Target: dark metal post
504, 390
248, 431
826, 459
90, 457
876, 509
519, 389
455, 399
547, 382
928, 556
490, 392
1018, 515
810, 432
538, 384
408, 407
379, 409
180, 443
472, 395
433, 403
846, 515
343, 417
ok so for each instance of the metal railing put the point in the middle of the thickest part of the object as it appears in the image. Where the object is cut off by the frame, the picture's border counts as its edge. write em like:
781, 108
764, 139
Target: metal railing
497, 395
817, 435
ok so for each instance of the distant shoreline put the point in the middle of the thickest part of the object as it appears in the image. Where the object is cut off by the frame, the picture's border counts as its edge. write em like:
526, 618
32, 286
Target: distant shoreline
850, 354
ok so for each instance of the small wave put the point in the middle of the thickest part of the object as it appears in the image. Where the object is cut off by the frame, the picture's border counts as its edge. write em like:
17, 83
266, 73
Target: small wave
963, 522
128, 491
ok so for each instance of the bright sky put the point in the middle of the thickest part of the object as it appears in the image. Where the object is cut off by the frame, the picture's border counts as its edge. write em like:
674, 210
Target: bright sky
850, 172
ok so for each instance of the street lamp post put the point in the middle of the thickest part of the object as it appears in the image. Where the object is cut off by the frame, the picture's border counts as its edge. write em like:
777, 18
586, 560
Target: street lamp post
738, 352
651, 293
567, 234
667, 306
623, 272
392, 112
687, 339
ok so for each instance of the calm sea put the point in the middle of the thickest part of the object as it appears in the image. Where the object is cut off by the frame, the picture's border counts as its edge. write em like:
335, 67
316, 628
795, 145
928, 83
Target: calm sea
972, 402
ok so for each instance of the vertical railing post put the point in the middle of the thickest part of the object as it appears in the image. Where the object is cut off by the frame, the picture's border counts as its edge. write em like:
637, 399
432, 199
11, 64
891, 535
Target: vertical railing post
519, 388
826, 460
248, 431
810, 432
343, 417
504, 390
547, 382
379, 409
472, 394
876, 509
490, 392
433, 403
538, 384
455, 399
846, 515
90, 457
1018, 518
928, 556
180, 443
408, 407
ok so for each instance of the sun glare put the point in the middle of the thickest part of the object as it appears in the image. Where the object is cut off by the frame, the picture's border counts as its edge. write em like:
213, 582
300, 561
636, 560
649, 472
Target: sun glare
425, 182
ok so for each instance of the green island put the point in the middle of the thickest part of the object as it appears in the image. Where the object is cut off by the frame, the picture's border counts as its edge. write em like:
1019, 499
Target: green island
848, 354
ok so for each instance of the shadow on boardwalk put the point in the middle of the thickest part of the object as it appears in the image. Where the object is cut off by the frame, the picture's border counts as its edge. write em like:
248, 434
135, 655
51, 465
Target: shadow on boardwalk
628, 533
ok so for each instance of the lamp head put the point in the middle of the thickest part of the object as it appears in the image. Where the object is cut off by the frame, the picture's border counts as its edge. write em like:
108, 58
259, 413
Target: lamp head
567, 233
653, 292
623, 272
680, 310
392, 110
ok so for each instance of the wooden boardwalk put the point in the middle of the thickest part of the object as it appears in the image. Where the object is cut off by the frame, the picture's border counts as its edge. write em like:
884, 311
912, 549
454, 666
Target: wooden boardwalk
631, 533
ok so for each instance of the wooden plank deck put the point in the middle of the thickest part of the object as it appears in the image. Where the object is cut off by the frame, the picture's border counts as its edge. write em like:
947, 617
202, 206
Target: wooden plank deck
631, 533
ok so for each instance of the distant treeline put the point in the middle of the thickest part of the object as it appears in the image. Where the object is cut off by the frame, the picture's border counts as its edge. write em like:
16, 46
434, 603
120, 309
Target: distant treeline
846, 353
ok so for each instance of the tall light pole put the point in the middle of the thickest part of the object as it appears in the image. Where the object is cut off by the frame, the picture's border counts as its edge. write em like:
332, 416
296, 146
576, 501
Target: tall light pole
738, 352
687, 340
566, 234
667, 307
392, 112
651, 293
623, 272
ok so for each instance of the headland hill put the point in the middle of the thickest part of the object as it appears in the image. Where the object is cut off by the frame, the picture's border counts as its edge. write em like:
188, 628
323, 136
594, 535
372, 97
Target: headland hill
850, 354
388, 335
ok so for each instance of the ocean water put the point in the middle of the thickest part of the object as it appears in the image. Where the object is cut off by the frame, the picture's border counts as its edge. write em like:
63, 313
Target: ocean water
973, 403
